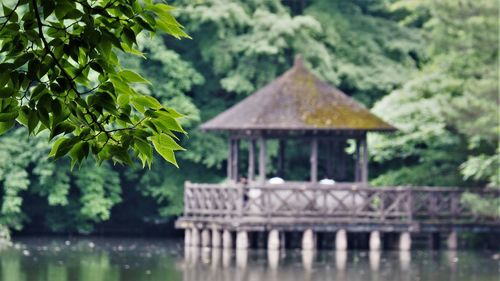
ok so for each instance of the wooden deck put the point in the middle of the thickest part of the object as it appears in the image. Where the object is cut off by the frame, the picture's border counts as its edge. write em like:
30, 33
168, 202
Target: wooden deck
297, 206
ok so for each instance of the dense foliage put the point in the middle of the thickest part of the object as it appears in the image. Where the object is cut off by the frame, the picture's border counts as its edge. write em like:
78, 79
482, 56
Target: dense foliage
59, 72
448, 113
426, 66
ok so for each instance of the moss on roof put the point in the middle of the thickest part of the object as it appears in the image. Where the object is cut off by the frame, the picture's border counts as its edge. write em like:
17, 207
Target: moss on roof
298, 100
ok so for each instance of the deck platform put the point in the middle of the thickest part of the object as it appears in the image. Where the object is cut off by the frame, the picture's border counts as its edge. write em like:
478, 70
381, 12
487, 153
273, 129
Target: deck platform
351, 207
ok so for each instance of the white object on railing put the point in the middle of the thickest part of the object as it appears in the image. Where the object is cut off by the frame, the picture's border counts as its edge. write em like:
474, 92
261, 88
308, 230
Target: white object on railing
327, 182
254, 193
276, 180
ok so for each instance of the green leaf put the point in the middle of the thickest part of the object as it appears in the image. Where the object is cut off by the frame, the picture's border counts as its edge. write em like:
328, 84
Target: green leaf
146, 101
56, 145
132, 77
63, 127
8, 116
144, 149
6, 92
123, 100
169, 122
166, 153
62, 146
5, 126
129, 35
168, 142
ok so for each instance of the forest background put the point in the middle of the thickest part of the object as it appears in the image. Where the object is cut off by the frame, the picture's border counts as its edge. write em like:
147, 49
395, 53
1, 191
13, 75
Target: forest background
430, 68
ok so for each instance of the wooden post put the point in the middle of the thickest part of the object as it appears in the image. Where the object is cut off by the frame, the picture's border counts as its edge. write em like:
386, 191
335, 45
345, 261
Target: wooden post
205, 238
236, 148
262, 159
195, 237
242, 240
404, 241
341, 240
187, 237
273, 240
251, 159
451, 240
216, 238
281, 158
314, 160
230, 159
375, 241
227, 239
308, 240
364, 160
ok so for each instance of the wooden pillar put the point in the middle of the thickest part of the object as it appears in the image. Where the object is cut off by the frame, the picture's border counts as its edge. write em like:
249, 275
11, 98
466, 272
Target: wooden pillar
375, 241
216, 238
234, 168
404, 241
314, 160
308, 240
262, 159
273, 240
227, 239
230, 159
251, 159
187, 237
451, 240
242, 240
341, 240
195, 237
205, 238
364, 160
281, 158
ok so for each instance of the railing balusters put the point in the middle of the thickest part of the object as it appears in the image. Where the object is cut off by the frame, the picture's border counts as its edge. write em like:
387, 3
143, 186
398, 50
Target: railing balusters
342, 201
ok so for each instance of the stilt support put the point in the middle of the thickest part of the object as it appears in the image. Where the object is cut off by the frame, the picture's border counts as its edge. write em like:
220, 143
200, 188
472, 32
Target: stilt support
216, 238
195, 237
341, 240
242, 240
308, 240
205, 238
404, 241
227, 240
273, 240
452, 241
375, 241
187, 237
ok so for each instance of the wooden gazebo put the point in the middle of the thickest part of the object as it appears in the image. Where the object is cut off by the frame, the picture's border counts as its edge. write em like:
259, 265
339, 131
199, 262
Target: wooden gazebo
299, 105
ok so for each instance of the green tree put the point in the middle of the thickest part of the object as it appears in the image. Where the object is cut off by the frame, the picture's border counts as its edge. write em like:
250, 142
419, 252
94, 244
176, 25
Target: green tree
59, 71
75, 200
449, 112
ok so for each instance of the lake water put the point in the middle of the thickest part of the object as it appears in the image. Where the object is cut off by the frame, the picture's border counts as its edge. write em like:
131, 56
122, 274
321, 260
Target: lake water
51, 259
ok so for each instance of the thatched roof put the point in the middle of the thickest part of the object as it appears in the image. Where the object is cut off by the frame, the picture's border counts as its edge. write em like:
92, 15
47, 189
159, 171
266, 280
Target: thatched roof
297, 100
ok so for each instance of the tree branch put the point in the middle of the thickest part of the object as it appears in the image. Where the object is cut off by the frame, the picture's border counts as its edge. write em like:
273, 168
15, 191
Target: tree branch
63, 71
10, 15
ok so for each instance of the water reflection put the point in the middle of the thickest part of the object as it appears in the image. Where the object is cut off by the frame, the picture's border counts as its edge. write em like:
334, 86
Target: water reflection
341, 260
114, 260
374, 257
404, 260
308, 259
273, 258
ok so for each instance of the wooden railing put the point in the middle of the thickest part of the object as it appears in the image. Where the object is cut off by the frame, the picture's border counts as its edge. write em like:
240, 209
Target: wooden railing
342, 201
